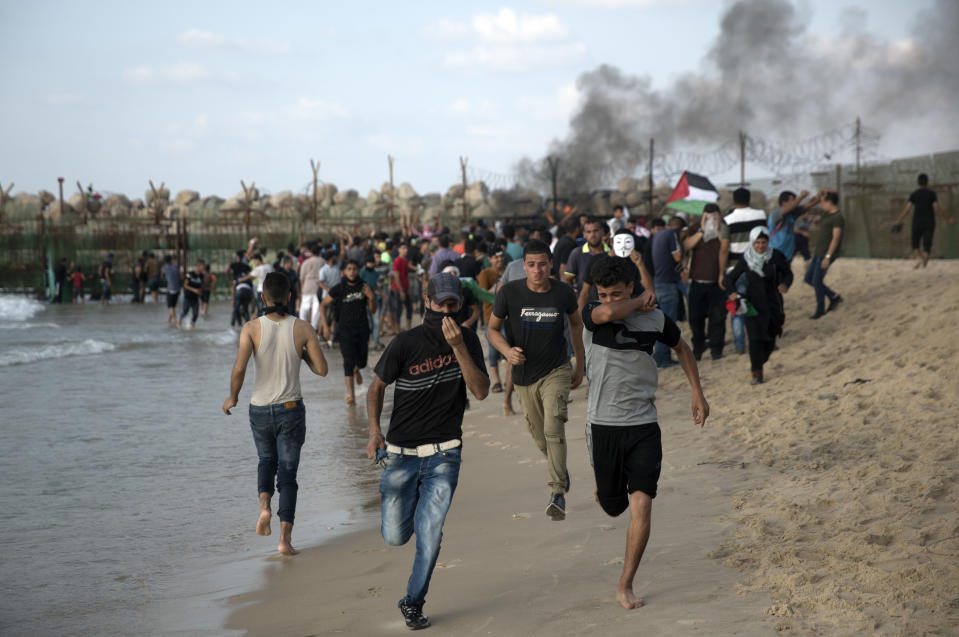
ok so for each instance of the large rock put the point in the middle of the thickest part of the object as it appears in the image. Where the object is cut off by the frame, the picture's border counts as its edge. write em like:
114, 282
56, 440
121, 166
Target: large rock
47, 197
283, 199
137, 204
27, 199
482, 211
617, 198
186, 197
254, 194
627, 184
405, 192
77, 201
477, 193
233, 204
454, 192
56, 212
373, 197
387, 189
635, 199
163, 194
346, 197
325, 194
116, 205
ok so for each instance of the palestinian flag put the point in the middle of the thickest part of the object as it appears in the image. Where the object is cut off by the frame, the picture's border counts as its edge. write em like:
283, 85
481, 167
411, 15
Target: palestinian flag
692, 193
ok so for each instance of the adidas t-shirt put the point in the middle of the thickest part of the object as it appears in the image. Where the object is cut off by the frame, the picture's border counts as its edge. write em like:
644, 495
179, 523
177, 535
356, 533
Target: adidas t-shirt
430, 395
620, 368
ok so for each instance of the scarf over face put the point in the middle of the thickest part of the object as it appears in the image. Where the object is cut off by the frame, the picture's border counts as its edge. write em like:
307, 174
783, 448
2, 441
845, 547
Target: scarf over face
755, 260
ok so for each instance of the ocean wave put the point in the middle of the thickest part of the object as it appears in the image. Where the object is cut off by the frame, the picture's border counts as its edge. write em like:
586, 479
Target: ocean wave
23, 355
26, 326
19, 308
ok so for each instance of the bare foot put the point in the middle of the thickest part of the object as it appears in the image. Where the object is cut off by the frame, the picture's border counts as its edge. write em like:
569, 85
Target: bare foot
285, 548
263, 524
627, 600
508, 410
357, 377
349, 400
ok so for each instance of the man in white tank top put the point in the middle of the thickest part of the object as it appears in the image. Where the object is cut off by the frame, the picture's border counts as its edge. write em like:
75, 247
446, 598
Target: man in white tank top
277, 343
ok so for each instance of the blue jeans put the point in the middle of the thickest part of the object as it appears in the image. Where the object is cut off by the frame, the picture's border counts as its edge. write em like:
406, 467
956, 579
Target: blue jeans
415, 494
278, 433
738, 321
814, 277
667, 295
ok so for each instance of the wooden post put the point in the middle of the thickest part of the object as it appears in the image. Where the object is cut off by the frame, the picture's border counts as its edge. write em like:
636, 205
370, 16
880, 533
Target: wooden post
650, 194
248, 205
83, 196
553, 163
466, 207
839, 182
389, 203
60, 182
5, 197
316, 170
155, 204
742, 159
858, 146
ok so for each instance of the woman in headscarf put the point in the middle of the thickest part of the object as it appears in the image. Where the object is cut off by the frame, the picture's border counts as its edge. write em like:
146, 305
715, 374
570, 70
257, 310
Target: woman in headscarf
761, 277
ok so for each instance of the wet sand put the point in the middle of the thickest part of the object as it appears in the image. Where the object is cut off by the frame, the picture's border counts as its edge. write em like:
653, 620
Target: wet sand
823, 501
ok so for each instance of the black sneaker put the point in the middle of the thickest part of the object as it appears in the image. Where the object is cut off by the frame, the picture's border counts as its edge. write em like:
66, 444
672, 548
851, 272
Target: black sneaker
556, 510
413, 614
817, 315
833, 302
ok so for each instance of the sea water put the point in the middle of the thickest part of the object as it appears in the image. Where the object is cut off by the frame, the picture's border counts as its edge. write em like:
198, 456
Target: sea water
129, 498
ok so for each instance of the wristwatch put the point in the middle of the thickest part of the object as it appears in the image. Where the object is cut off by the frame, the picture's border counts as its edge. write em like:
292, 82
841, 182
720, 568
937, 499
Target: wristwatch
828, 256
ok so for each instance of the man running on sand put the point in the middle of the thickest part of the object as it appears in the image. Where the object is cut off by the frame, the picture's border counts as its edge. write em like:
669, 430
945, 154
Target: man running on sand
350, 298
277, 342
534, 308
433, 365
622, 430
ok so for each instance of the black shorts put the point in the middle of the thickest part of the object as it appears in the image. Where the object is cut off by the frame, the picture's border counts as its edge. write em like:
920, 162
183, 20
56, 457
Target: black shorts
625, 459
922, 233
205, 296
172, 298
354, 347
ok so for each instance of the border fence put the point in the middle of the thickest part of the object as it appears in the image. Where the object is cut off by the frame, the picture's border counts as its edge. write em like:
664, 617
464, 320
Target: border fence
31, 241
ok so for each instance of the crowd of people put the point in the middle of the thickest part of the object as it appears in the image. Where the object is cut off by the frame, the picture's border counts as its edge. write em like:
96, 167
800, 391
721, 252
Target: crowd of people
587, 297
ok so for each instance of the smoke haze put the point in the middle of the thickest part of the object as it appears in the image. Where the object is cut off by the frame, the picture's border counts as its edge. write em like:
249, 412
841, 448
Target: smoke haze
768, 75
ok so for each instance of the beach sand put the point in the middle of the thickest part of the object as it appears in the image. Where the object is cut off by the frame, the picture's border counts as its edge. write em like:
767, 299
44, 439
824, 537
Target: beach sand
821, 502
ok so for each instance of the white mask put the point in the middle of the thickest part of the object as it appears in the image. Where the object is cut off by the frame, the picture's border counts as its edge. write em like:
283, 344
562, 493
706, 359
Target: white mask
623, 245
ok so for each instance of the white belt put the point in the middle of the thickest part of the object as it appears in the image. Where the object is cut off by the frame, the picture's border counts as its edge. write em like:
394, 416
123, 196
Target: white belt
424, 450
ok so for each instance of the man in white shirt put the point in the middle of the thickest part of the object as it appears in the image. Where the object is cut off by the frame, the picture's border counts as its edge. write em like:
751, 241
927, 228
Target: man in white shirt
259, 272
309, 286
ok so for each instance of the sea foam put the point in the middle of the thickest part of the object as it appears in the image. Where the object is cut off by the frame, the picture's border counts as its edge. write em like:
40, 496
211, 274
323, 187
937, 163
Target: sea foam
23, 355
18, 308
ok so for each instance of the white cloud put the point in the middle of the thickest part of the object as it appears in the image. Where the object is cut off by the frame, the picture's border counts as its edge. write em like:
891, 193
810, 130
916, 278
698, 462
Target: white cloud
511, 41
444, 29
509, 26
208, 39
310, 109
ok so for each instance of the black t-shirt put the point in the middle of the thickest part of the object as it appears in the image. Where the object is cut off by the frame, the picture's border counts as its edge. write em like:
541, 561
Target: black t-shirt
350, 305
564, 246
430, 395
60, 273
536, 324
194, 280
922, 200
238, 270
469, 267
105, 269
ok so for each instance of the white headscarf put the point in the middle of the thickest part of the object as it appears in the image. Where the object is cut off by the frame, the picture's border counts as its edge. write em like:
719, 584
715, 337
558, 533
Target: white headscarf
754, 260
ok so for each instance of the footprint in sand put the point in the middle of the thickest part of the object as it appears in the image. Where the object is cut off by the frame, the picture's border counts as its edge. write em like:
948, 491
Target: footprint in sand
485, 435
614, 562
374, 591
524, 461
469, 434
521, 516
606, 527
452, 564
370, 550
494, 443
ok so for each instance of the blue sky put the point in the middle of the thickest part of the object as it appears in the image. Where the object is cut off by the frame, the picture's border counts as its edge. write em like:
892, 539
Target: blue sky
203, 94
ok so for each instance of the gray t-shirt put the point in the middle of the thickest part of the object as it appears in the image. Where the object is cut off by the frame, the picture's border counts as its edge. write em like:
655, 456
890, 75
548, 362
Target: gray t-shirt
514, 272
620, 368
